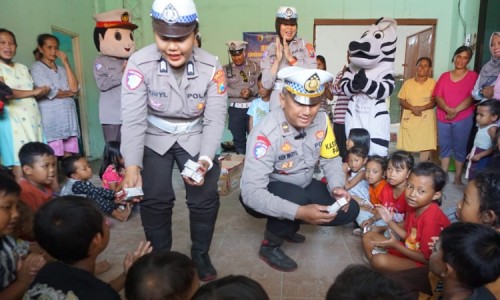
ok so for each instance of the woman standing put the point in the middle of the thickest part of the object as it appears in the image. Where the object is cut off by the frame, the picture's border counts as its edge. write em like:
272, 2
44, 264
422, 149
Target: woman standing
485, 83
58, 109
417, 131
286, 50
20, 122
174, 105
455, 111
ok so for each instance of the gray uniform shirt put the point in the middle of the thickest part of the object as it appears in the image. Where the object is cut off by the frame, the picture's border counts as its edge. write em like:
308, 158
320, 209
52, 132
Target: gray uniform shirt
302, 50
150, 88
275, 152
108, 73
244, 76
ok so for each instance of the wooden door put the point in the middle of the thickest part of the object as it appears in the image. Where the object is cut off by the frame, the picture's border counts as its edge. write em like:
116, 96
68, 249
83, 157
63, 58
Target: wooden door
418, 45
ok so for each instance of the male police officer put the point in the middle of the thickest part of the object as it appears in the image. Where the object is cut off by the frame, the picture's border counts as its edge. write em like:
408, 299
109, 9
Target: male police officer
242, 88
277, 181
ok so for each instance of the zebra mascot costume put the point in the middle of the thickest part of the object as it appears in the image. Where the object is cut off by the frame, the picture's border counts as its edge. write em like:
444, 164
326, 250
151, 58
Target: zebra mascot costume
368, 81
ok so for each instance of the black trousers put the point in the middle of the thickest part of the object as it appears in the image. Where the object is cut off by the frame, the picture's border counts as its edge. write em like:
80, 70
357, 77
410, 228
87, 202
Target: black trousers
315, 193
238, 125
159, 196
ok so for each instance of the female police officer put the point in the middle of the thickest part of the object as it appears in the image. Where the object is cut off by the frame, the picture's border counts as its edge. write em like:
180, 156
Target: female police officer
286, 50
173, 109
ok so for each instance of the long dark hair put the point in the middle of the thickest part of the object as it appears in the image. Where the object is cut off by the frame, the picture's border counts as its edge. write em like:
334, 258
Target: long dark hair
111, 156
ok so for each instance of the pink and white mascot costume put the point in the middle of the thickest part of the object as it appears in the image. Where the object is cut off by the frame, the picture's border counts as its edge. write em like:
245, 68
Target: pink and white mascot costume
369, 81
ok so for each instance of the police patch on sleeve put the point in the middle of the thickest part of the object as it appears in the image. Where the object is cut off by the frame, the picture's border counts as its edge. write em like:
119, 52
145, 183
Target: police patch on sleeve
260, 147
134, 79
310, 50
220, 79
329, 147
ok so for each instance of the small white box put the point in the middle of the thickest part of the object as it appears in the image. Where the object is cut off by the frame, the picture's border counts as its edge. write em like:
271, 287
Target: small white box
133, 192
337, 205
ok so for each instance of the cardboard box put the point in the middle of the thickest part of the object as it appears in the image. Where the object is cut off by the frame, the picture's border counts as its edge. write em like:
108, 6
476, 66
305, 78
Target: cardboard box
230, 175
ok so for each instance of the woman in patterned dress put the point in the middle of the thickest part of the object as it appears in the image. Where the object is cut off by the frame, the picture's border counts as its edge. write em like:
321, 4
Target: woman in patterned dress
20, 122
58, 109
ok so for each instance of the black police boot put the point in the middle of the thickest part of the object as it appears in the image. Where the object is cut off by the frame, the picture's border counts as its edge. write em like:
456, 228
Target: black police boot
296, 238
161, 239
201, 236
271, 253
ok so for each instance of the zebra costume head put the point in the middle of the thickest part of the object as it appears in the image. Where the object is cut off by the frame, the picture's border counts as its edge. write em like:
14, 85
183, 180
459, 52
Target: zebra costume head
376, 45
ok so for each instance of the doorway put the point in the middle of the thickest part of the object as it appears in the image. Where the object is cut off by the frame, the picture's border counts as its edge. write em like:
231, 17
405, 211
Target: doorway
69, 43
418, 45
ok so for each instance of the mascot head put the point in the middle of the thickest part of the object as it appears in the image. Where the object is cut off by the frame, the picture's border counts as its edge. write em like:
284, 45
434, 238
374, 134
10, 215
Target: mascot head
286, 15
376, 45
113, 33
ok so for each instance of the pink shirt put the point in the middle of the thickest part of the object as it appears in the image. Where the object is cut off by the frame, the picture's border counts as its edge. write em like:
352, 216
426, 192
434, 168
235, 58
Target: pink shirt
110, 175
454, 93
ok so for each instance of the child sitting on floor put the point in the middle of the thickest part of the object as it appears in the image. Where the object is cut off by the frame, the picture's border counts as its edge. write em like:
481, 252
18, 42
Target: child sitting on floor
162, 275
79, 173
16, 271
424, 220
479, 205
73, 231
231, 287
38, 165
359, 282
112, 168
392, 194
467, 257
375, 176
355, 181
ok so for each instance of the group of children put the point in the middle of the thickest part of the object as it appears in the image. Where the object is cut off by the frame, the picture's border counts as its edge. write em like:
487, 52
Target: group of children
73, 232
39, 167
400, 212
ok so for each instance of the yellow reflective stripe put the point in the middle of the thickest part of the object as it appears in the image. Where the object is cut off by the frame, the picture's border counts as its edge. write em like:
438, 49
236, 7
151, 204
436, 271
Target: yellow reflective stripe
329, 147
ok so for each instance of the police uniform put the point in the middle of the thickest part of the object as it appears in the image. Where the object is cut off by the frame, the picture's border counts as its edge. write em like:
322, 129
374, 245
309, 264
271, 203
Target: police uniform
108, 70
301, 50
171, 116
278, 173
239, 78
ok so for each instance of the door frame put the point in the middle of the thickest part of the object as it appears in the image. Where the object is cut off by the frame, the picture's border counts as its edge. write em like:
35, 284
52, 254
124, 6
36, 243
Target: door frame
431, 56
82, 99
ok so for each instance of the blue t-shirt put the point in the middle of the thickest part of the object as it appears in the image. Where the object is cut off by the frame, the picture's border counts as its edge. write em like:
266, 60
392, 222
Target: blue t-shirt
258, 110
